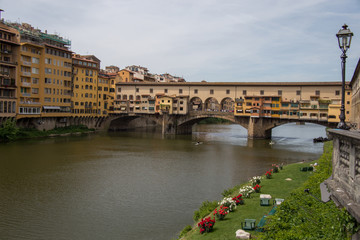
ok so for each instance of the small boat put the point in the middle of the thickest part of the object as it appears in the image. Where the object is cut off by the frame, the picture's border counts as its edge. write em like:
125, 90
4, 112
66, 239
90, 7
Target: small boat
271, 142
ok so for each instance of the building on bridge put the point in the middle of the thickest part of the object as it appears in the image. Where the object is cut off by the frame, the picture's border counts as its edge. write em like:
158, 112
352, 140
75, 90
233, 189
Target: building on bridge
313, 101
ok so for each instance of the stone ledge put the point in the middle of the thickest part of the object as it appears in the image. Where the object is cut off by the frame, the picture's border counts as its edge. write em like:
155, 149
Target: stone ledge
340, 197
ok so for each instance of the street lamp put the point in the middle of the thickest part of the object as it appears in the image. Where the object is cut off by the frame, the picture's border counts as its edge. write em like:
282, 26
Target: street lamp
344, 38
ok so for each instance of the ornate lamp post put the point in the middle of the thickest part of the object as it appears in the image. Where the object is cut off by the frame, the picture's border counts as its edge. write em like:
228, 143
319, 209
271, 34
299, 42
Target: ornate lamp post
344, 38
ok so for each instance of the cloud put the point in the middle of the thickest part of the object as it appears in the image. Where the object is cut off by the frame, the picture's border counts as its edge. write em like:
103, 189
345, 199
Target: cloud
204, 39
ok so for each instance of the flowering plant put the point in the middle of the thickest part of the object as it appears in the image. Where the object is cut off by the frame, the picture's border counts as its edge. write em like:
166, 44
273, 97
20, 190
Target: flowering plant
246, 191
228, 202
268, 174
275, 168
255, 180
206, 225
221, 213
238, 199
257, 188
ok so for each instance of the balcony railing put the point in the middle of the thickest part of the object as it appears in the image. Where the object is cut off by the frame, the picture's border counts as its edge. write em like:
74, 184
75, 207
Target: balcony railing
26, 94
26, 84
26, 74
30, 103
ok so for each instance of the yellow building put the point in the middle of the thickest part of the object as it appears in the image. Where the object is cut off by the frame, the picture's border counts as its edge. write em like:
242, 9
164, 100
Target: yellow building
44, 75
31, 89
335, 105
9, 47
85, 84
105, 96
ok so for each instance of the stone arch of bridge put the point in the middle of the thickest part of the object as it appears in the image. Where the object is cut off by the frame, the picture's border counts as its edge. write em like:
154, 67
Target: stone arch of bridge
196, 119
212, 104
272, 123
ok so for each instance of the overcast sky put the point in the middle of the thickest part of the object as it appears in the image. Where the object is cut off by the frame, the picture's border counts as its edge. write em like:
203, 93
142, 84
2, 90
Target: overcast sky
212, 40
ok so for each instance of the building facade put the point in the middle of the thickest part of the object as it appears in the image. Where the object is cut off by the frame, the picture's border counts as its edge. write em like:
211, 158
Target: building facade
303, 101
85, 99
9, 51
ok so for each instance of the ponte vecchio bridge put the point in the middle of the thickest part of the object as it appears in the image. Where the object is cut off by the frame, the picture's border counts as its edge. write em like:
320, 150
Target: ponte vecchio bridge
258, 107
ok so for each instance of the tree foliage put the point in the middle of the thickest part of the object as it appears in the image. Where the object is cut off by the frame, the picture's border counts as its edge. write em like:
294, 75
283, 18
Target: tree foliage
8, 130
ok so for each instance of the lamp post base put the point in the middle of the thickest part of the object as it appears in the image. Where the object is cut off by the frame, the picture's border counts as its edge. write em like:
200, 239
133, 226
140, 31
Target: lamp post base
342, 125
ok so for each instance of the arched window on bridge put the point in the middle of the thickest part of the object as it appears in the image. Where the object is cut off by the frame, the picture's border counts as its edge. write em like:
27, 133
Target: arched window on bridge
211, 104
195, 104
227, 105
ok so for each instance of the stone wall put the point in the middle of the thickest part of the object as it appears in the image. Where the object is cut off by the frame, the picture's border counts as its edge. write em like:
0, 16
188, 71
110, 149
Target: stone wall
345, 183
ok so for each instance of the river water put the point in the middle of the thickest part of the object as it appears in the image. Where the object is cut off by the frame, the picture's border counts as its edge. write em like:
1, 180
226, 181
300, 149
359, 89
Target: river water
132, 185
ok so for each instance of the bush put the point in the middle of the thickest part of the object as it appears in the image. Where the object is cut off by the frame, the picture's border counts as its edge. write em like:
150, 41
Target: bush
8, 130
206, 208
185, 231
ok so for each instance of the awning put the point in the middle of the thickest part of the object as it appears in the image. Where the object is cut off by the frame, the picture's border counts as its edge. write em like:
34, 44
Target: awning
52, 107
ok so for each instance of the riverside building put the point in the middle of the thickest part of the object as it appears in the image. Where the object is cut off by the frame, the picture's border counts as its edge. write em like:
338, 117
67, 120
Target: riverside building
9, 47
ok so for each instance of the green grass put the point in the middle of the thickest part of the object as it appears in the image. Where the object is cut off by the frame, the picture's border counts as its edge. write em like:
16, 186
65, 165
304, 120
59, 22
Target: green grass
277, 187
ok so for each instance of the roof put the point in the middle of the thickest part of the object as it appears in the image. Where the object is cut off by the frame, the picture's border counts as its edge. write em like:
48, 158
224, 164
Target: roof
234, 84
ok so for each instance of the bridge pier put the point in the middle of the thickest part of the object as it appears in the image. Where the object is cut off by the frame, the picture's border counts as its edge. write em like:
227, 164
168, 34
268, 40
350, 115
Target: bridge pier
257, 129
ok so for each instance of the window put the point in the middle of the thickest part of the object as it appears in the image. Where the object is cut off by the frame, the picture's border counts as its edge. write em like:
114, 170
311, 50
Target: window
348, 102
165, 90
195, 91
261, 92
228, 91
35, 91
35, 60
35, 80
298, 92
337, 92
151, 90
180, 91
137, 89
317, 92
119, 90
211, 91
35, 70
244, 92
279, 92
48, 70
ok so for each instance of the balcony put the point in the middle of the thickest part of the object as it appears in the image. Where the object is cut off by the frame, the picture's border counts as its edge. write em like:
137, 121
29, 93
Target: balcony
28, 74
26, 63
25, 84
29, 103
25, 94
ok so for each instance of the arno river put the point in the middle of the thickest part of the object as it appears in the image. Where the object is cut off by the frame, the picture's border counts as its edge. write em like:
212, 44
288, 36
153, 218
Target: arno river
132, 185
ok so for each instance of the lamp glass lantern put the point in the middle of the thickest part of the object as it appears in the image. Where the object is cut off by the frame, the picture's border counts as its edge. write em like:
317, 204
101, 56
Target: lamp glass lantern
344, 38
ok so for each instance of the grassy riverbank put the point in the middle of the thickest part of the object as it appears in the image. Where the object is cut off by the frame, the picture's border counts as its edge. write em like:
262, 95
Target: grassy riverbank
9, 131
300, 217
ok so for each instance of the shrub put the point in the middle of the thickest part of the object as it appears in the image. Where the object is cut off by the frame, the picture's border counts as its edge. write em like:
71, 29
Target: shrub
185, 231
206, 225
221, 213
8, 130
